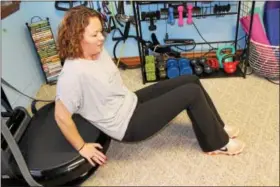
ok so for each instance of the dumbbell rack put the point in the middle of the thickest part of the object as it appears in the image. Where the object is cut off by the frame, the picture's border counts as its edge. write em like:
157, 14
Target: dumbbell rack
241, 9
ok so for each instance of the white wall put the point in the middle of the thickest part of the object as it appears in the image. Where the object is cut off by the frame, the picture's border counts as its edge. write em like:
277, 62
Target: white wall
19, 62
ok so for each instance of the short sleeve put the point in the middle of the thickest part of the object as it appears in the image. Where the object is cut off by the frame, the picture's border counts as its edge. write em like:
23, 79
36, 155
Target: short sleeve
69, 91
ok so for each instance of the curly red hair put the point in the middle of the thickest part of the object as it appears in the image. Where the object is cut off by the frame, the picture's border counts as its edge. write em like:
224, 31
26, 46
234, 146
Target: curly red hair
71, 30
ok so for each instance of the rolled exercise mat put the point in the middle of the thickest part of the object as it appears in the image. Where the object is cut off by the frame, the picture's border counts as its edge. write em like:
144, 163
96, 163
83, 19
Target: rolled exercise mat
271, 20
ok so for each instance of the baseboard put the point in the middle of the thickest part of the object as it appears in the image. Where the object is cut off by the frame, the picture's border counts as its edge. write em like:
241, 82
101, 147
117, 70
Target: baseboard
131, 61
134, 61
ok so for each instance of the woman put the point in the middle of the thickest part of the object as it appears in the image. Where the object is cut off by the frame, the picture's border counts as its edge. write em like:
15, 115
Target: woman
90, 84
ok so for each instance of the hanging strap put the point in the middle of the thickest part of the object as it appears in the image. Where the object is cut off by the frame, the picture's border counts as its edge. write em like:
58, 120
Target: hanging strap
18, 156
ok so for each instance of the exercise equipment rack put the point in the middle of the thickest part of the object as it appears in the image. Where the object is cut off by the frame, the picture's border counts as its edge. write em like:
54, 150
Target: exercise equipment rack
206, 9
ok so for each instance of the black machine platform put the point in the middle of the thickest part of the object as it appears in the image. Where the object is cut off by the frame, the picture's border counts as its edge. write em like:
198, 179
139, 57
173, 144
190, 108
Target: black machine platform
49, 156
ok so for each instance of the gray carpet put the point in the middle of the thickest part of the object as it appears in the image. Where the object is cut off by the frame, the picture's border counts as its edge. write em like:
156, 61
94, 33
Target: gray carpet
173, 156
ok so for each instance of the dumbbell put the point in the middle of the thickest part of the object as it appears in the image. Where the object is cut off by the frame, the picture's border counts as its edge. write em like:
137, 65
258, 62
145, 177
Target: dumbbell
213, 63
180, 19
206, 68
189, 14
221, 8
227, 7
216, 9
172, 68
196, 9
162, 72
184, 65
197, 68
147, 15
150, 68
150, 16
161, 66
171, 19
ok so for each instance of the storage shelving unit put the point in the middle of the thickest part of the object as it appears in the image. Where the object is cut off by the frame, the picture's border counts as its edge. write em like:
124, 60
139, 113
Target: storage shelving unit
202, 49
45, 47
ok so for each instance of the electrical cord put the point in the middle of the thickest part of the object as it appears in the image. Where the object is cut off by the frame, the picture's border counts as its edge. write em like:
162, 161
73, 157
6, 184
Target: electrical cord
273, 82
212, 48
10, 86
202, 36
186, 50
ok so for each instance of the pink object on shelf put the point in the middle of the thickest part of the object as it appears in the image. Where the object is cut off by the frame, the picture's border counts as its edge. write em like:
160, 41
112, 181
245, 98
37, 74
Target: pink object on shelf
180, 19
189, 20
258, 34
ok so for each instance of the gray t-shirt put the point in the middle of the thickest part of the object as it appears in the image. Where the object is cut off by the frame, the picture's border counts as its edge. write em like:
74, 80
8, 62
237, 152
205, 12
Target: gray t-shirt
95, 90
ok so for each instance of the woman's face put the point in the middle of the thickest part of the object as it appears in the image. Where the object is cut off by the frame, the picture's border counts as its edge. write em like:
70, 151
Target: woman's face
93, 39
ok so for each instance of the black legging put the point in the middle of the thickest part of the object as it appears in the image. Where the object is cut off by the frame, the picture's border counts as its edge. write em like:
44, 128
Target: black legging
159, 103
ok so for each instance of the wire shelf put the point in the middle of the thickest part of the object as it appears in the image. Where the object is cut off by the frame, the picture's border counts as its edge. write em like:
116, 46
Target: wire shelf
144, 11
246, 8
200, 9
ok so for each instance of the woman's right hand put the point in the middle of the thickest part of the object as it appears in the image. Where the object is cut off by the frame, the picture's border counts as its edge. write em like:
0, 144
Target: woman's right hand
92, 154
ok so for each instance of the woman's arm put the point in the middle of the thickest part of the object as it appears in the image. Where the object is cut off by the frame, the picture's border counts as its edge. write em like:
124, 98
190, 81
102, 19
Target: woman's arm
67, 126
69, 129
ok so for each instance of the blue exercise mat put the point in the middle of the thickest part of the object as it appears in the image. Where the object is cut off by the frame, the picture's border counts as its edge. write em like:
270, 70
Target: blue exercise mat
271, 18
272, 24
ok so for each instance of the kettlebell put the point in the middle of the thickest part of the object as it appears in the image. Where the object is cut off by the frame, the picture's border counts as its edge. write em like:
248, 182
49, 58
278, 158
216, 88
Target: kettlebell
184, 65
220, 54
206, 68
213, 63
229, 67
197, 68
172, 68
